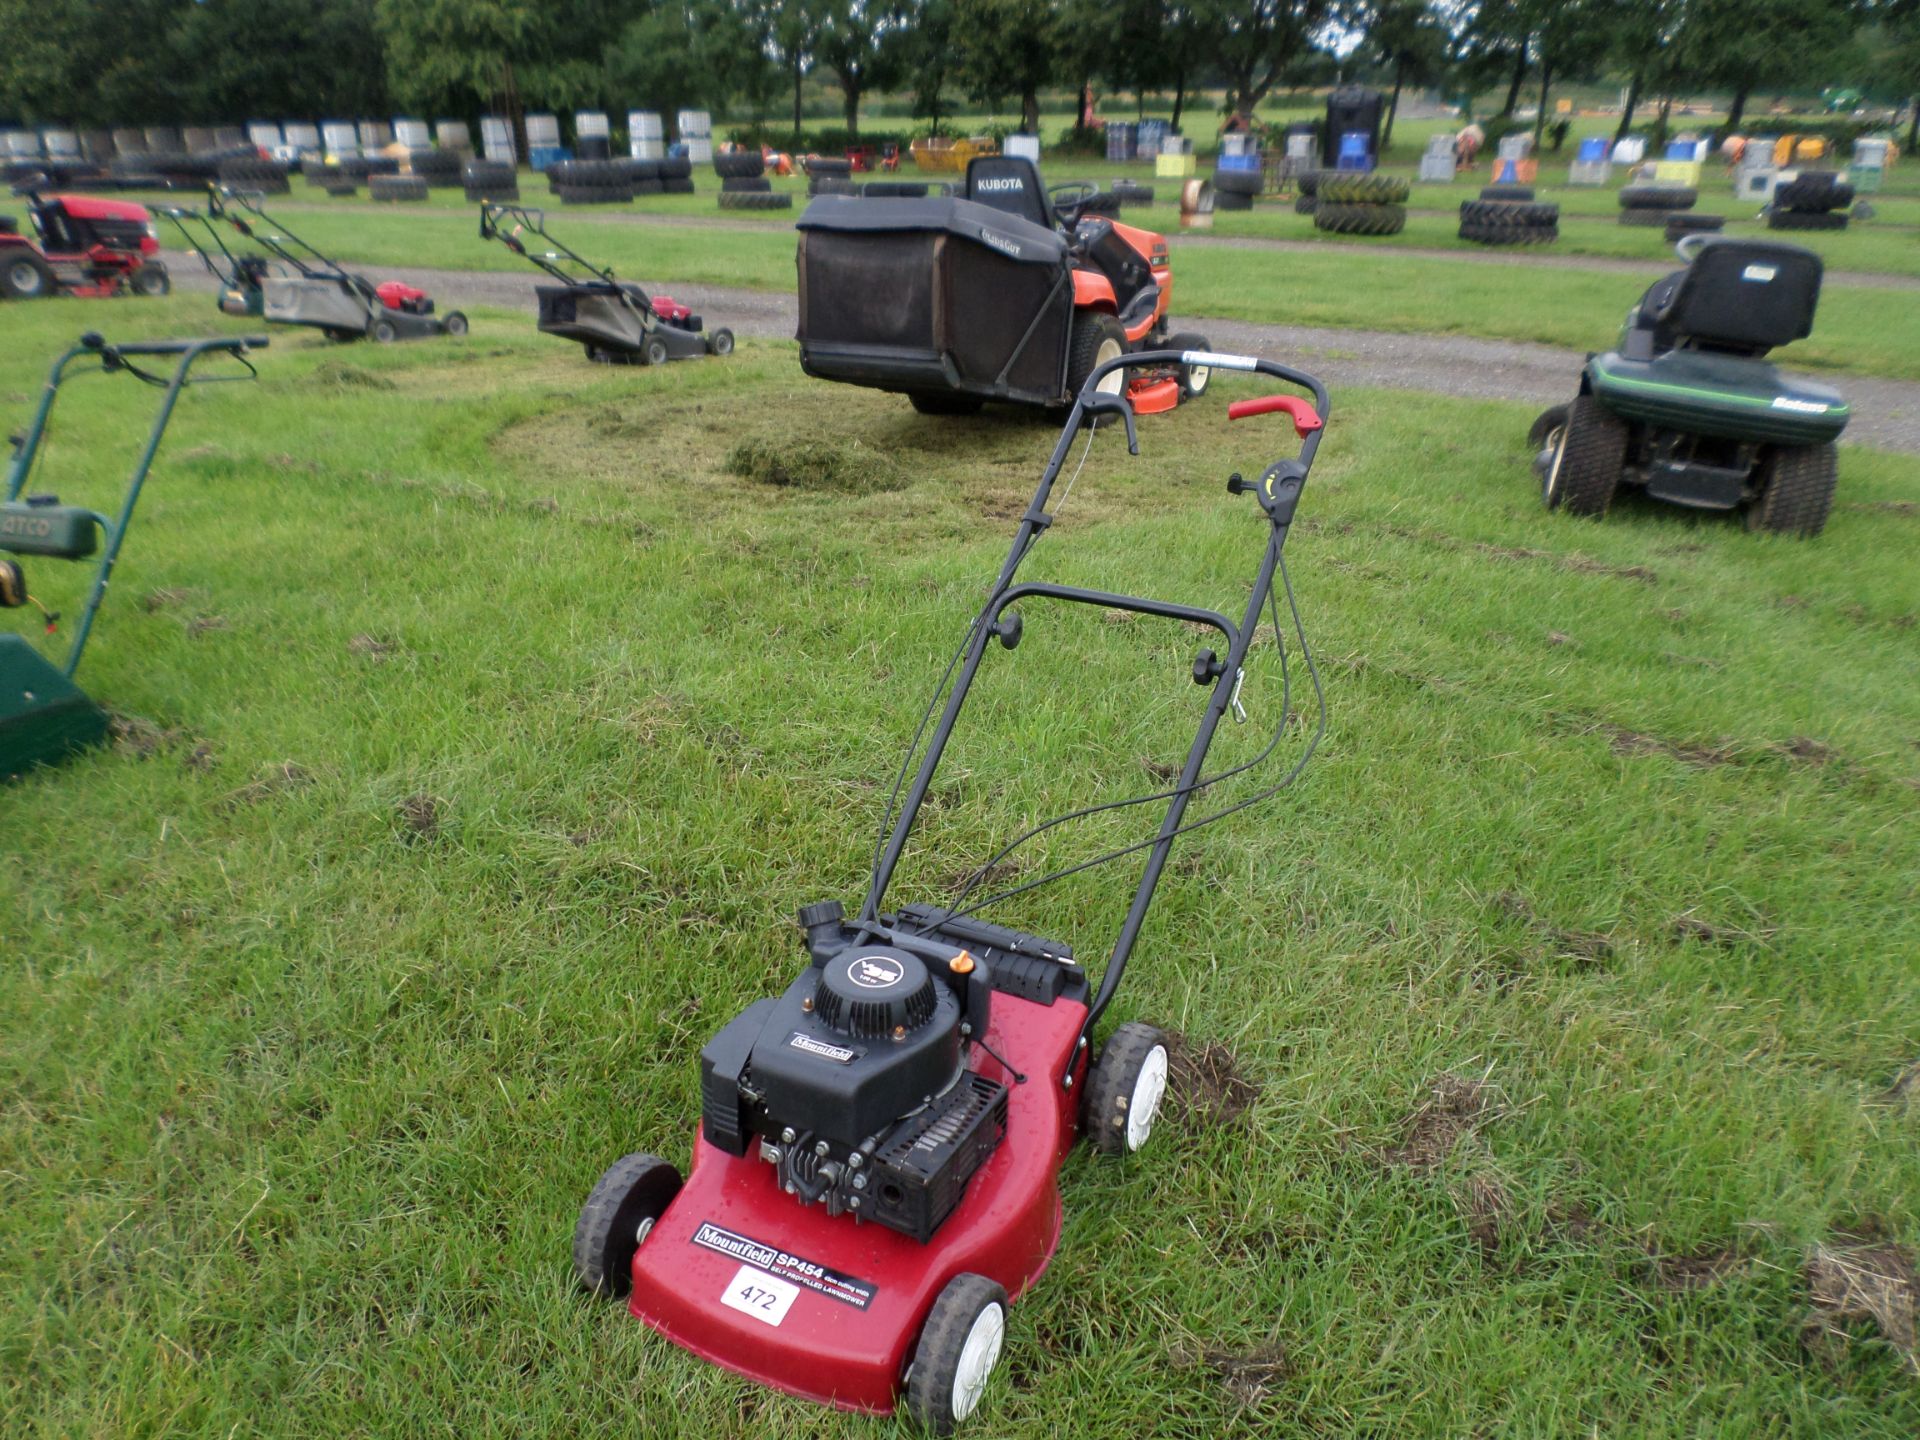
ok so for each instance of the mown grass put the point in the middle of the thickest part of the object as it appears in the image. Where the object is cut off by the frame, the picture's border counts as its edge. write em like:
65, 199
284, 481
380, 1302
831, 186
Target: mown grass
526, 724
1861, 330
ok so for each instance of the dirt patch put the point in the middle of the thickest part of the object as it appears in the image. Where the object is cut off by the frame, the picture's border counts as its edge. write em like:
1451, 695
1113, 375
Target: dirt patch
1583, 947
420, 817
338, 375
1636, 742
1697, 1269
1861, 1280
167, 598
1690, 926
141, 738
1483, 1202
1559, 637
1205, 1086
1161, 770
204, 624
1887, 507
1249, 1376
201, 758
844, 467
1806, 748
1580, 564
1454, 1108
367, 647
280, 778
1905, 1086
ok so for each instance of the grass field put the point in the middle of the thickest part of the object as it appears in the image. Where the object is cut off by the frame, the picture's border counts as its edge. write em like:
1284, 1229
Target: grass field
482, 733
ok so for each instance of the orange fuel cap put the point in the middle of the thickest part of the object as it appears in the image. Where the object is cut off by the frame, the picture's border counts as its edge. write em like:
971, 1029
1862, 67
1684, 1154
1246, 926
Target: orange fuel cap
961, 964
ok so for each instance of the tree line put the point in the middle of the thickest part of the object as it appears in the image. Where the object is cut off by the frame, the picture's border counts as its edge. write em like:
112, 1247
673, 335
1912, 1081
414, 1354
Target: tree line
184, 61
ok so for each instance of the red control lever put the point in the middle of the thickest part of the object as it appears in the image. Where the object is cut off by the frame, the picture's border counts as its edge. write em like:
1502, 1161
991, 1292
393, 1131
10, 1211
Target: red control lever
1305, 418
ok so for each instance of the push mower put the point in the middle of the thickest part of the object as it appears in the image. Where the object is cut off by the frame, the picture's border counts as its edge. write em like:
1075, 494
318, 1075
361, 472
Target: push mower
617, 321
1689, 407
239, 276
88, 247
43, 714
1008, 291
876, 1169
324, 295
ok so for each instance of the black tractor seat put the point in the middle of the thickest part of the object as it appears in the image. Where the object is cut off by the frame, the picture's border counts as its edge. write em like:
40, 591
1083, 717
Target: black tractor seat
1738, 297
33, 527
1011, 184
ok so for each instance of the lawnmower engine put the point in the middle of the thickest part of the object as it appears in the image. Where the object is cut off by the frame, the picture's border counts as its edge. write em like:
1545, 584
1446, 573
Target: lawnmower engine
409, 299
853, 1085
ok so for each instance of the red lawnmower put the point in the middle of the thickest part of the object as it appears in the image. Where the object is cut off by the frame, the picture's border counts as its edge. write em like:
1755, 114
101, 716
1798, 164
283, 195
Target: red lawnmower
322, 294
1008, 291
87, 247
876, 1170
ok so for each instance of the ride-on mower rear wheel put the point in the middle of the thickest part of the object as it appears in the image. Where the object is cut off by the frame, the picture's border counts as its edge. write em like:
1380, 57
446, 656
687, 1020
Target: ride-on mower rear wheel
25, 276
1097, 338
634, 1193
151, 280
1125, 1089
1587, 459
1796, 490
957, 1352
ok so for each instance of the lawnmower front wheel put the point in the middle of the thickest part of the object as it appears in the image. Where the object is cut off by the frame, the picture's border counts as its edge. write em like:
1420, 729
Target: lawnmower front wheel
720, 343
1194, 379
1549, 421
383, 332
152, 280
1126, 1087
25, 276
1584, 471
456, 323
958, 1349
615, 1221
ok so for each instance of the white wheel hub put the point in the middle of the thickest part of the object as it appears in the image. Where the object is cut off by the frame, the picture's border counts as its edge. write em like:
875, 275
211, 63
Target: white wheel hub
1144, 1104
641, 1231
1197, 378
1557, 443
1115, 382
977, 1358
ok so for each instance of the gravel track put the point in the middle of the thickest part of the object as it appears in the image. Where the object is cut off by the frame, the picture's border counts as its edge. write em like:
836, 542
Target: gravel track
1886, 412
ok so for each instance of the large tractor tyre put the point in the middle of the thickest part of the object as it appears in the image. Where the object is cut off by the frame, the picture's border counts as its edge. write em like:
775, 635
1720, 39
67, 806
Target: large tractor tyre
1658, 197
439, 168
826, 165
651, 187
745, 185
1508, 212
1817, 192
755, 200
1231, 200
740, 165
1796, 490
1238, 182
1806, 219
1506, 192
1483, 232
1346, 219
1307, 182
1587, 460
940, 402
1647, 218
394, 188
675, 167
24, 275
894, 189
1096, 339
675, 184
638, 170
1305, 204
1364, 189
1132, 192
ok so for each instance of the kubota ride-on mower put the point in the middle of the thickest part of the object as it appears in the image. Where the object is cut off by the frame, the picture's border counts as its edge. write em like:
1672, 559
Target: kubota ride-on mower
617, 321
239, 276
324, 295
1690, 408
876, 1171
43, 714
1008, 291
87, 247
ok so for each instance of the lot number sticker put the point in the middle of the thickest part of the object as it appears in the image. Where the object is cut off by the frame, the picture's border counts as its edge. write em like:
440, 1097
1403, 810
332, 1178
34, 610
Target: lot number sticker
756, 1293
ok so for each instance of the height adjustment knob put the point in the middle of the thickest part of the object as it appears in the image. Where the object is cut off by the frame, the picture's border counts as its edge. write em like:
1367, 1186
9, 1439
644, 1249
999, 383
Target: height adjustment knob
1238, 484
1207, 668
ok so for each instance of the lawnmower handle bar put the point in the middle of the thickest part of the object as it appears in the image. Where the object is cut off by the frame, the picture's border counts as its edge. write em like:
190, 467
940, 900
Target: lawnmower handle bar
237, 344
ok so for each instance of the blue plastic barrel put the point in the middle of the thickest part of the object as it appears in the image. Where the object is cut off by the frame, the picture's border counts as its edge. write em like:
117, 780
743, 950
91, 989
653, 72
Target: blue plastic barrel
1355, 151
541, 156
1593, 150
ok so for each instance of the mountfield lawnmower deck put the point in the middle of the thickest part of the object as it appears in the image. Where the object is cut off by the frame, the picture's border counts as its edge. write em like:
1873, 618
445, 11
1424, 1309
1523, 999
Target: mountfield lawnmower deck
88, 247
876, 1169
617, 321
1690, 408
1008, 291
323, 295
43, 714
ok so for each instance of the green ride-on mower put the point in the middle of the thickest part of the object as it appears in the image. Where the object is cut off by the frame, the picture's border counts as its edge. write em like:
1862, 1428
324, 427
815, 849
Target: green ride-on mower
44, 716
1690, 408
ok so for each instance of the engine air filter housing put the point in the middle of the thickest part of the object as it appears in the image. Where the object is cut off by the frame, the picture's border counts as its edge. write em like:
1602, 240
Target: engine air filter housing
875, 992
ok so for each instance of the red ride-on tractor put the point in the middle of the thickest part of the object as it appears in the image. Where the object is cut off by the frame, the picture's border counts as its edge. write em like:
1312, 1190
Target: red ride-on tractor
1007, 291
86, 247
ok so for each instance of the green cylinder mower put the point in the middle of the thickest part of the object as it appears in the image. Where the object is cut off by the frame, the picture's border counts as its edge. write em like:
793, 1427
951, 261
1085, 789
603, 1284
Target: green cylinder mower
1690, 409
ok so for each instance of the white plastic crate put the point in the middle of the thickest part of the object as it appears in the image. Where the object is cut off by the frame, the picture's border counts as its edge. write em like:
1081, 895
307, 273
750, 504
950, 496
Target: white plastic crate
694, 124
452, 135
542, 131
496, 140
1590, 172
414, 134
301, 136
700, 149
264, 135
590, 122
342, 137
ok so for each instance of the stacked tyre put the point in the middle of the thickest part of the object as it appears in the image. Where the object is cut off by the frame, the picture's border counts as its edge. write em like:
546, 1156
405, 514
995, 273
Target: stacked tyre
591, 182
1307, 182
739, 164
1683, 222
1509, 222
1816, 201
642, 175
676, 175
333, 182
1235, 189
828, 176
1652, 204
363, 167
897, 189
1369, 204
490, 180
441, 169
268, 177
396, 188
1132, 192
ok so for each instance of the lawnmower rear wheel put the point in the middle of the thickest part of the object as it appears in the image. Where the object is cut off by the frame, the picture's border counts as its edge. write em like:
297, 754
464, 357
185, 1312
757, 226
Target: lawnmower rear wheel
383, 331
1587, 460
1097, 338
1125, 1089
958, 1349
1796, 490
634, 1192
655, 350
25, 276
939, 402
720, 342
